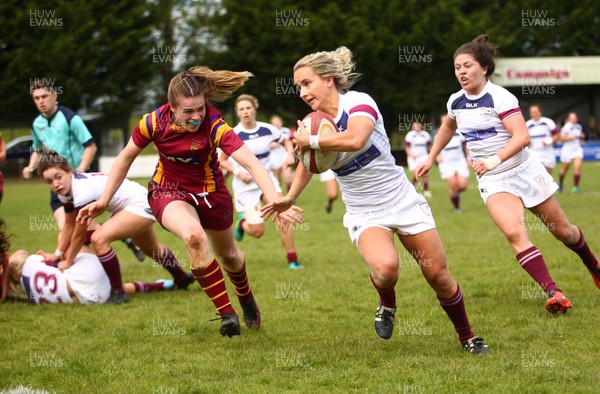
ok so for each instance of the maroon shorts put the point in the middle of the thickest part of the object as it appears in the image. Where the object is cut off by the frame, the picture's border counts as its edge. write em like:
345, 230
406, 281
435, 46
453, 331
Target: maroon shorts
214, 209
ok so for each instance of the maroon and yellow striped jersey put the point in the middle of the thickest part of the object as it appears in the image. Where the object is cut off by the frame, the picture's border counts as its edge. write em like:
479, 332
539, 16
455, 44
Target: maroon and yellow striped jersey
187, 160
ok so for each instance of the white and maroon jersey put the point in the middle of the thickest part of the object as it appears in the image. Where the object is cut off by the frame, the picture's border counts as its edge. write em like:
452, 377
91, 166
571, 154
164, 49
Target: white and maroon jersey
479, 119
369, 179
569, 130
286, 132
88, 187
86, 277
43, 283
259, 139
539, 130
454, 150
418, 142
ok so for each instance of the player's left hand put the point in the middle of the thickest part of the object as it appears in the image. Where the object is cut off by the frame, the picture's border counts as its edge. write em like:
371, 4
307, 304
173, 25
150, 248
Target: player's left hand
483, 166
282, 207
63, 265
301, 138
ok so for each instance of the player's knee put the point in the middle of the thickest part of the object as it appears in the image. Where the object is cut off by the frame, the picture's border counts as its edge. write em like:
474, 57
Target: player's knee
440, 280
230, 257
99, 240
195, 244
569, 234
256, 230
384, 269
515, 235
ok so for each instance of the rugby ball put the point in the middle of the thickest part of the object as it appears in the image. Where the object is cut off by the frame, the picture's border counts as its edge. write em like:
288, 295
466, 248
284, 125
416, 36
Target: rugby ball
316, 160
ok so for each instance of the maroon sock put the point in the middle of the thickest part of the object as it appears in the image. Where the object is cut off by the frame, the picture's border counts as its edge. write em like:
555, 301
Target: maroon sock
141, 287
88, 237
240, 283
110, 263
170, 263
289, 186
455, 201
576, 179
241, 225
583, 251
212, 282
561, 178
425, 184
533, 262
455, 309
387, 296
292, 257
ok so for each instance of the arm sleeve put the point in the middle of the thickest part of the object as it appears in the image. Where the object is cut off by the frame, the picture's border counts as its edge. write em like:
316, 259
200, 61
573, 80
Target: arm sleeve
81, 131
142, 132
506, 105
222, 134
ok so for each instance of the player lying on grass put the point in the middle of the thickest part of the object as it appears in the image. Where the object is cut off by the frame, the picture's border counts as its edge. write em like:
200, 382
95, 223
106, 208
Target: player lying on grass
131, 217
27, 277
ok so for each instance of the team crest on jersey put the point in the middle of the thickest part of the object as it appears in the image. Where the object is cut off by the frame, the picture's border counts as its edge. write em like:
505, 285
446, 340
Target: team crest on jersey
425, 208
195, 145
486, 113
540, 179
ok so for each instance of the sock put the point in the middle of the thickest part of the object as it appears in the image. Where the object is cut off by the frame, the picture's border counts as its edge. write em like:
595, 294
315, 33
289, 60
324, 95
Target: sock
583, 251
576, 179
533, 262
212, 282
170, 263
141, 287
425, 184
240, 283
110, 263
292, 257
455, 198
386, 296
289, 186
561, 178
241, 225
455, 309
88, 237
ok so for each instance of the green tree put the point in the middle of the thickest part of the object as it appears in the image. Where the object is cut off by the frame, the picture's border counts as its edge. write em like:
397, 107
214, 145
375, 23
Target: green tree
98, 53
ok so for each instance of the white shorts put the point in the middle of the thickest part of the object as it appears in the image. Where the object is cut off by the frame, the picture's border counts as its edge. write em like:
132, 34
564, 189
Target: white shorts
567, 155
529, 181
411, 216
88, 280
141, 208
546, 157
327, 176
450, 167
413, 163
277, 157
247, 196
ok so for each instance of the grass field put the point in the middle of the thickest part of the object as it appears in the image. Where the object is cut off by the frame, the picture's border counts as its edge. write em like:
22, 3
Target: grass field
317, 334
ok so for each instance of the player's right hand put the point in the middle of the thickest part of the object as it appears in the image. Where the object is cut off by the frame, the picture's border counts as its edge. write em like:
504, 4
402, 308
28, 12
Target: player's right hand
49, 258
27, 173
422, 169
89, 212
